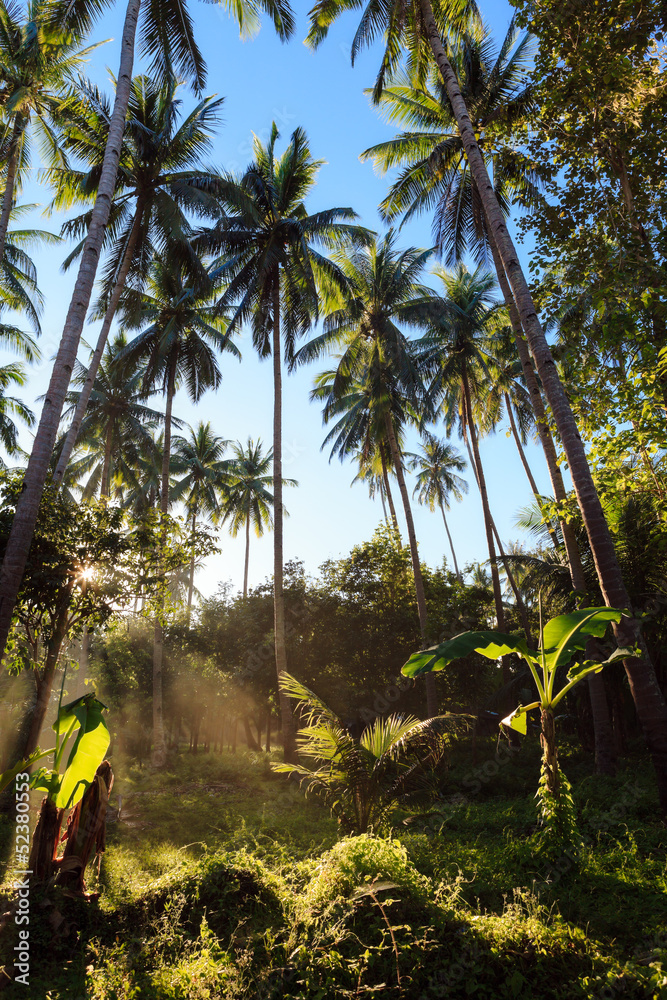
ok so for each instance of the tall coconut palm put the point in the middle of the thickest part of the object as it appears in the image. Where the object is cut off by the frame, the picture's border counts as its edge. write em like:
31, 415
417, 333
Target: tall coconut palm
167, 39
437, 464
456, 348
181, 336
205, 476
117, 412
413, 24
374, 470
435, 175
249, 502
273, 268
378, 384
160, 182
38, 61
11, 407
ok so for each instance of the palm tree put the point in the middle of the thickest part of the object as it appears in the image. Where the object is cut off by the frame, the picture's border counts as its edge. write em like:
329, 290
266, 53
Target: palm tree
159, 182
38, 60
10, 375
436, 176
413, 24
19, 291
117, 413
436, 465
374, 470
198, 458
182, 332
248, 500
377, 385
168, 41
272, 269
457, 347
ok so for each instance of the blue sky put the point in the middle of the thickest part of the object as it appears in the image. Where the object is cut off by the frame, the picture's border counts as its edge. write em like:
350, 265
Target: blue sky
264, 80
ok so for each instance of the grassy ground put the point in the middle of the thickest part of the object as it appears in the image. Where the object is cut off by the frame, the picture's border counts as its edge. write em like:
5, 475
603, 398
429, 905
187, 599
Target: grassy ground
221, 881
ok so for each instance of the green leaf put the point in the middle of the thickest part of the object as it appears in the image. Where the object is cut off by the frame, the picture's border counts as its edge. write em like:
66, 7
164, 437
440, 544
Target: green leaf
567, 634
517, 720
88, 751
7, 776
490, 644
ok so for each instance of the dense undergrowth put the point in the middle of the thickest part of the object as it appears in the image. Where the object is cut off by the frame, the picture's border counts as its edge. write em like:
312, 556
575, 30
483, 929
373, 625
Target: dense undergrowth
220, 881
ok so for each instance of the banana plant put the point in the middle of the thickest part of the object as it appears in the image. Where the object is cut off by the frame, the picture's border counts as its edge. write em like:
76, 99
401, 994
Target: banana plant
85, 756
561, 639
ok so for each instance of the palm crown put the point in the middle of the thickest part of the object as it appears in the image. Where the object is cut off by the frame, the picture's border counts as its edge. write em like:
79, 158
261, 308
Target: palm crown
435, 174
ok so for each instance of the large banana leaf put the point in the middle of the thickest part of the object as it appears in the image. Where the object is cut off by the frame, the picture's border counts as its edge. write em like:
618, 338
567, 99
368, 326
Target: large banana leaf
493, 645
89, 747
568, 634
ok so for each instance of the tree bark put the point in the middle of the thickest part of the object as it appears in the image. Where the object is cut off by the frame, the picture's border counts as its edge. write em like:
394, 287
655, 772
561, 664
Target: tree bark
481, 485
648, 698
247, 556
431, 696
191, 582
526, 467
451, 544
23, 525
605, 752
96, 359
159, 755
287, 719
10, 181
387, 488
106, 467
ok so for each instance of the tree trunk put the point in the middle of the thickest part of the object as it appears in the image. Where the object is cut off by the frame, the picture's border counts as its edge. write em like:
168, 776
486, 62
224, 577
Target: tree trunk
10, 180
520, 605
85, 836
387, 488
451, 544
550, 755
45, 840
247, 556
268, 731
648, 697
605, 752
23, 525
45, 683
431, 696
94, 365
106, 467
476, 463
527, 469
287, 719
159, 753
191, 583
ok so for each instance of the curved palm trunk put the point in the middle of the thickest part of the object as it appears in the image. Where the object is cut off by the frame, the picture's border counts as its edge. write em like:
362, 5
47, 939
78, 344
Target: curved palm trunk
106, 467
93, 368
23, 525
390, 499
191, 583
451, 543
431, 696
649, 699
476, 463
526, 467
247, 556
10, 181
159, 755
287, 719
605, 750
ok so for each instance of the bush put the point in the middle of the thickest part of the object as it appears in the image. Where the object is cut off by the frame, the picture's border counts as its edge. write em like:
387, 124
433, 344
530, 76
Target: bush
358, 861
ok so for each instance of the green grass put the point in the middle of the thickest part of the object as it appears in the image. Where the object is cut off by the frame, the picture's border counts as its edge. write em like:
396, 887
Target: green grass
224, 882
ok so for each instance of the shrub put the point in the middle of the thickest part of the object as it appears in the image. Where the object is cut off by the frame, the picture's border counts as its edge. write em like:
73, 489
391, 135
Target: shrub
358, 861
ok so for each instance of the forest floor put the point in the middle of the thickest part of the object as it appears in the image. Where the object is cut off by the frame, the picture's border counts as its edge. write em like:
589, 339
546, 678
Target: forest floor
220, 880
